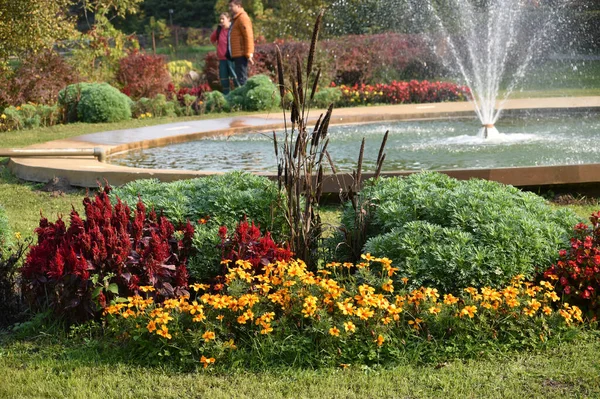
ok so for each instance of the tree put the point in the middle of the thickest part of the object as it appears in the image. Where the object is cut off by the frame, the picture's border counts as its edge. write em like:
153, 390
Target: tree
32, 25
188, 13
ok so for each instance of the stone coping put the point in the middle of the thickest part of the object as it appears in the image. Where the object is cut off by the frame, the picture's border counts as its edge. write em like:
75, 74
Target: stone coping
86, 171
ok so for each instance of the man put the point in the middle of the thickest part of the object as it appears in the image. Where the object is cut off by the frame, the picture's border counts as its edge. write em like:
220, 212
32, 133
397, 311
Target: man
241, 41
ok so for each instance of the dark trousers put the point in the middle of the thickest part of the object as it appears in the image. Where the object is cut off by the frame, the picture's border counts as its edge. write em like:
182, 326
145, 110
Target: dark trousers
241, 71
226, 73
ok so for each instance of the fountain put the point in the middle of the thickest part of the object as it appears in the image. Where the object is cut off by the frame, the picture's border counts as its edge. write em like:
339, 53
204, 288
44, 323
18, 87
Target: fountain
480, 39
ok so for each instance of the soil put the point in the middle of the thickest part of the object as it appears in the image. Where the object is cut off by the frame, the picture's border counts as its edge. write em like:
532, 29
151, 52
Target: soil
58, 187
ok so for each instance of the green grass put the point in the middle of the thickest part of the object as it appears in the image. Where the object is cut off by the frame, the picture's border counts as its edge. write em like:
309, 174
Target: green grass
58, 368
24, 202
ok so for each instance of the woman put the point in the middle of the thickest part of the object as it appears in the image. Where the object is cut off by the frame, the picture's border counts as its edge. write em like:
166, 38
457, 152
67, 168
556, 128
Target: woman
219, 39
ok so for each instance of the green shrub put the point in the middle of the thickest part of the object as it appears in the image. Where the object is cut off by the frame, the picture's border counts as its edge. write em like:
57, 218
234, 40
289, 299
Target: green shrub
157, 106
179, 69
329, 95
29, 116
258, 94
220, 200
215, 101
450, 234
94, 103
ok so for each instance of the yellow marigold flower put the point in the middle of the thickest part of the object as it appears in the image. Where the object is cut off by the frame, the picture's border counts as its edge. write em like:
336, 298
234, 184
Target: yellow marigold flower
386, 320
220, 317
552, 295
195, 308
547, 310
432, 293
388, 286
151, 326
512, 302
197, 287
147, 288
164, 332
380, 340
364, 313
267, 329
450, 299
367, 257
435, 310
510, 292
128, 313
334, 331
206, 361
529, 311
349, 326
348, 265
208, 336
468, 311
199, 317
18, 235
3, 116
163, 318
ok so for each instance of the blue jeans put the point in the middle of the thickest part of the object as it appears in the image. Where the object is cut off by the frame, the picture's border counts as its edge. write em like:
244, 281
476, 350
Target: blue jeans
226, 72
241, 71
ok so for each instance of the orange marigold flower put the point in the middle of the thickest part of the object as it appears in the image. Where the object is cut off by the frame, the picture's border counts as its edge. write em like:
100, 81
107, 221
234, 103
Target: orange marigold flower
349, 327
151, 326
547, 310
206, 361
334, 331
208, 336
450, 299
468, 311
164, 332
380, 340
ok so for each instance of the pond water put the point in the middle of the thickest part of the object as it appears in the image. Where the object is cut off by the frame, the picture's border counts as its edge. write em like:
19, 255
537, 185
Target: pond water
415, 145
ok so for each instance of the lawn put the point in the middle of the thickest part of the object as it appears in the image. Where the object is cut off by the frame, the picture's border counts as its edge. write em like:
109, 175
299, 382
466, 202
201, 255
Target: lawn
50, 368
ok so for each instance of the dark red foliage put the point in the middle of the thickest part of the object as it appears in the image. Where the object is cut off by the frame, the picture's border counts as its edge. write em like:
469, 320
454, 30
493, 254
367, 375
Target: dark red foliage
247, 243
110, 247
211, 71
143, 75
578, 268
196, 91
38, 80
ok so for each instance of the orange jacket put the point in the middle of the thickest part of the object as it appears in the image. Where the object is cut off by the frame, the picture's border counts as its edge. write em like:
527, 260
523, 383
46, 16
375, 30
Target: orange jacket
241, 38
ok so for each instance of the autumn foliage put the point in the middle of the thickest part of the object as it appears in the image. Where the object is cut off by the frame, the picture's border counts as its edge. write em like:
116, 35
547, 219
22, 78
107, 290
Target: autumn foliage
77, 270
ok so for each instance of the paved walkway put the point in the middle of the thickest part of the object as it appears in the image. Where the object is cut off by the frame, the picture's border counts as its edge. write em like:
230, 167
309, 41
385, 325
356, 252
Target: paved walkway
86, 171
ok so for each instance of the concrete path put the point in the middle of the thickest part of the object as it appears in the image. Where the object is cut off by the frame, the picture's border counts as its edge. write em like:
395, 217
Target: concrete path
86, 171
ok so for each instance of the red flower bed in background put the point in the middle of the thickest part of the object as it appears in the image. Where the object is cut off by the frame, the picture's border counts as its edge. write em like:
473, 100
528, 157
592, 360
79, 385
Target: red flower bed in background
403, 92
578, 269
78, 269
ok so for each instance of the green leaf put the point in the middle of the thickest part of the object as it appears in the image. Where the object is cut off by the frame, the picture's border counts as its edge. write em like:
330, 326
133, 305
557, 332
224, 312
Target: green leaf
114, 288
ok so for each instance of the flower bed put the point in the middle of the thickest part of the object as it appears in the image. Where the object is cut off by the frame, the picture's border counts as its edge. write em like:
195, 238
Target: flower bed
340, 315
